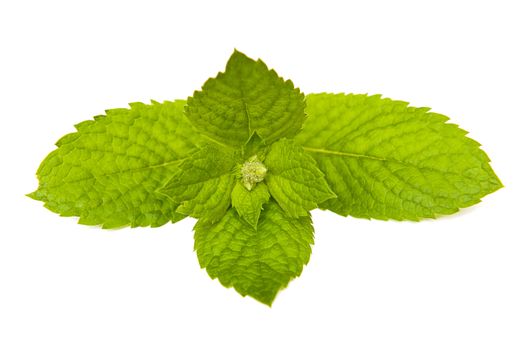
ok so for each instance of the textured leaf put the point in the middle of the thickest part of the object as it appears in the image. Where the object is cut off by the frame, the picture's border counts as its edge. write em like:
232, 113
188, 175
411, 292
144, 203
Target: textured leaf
107, 172
246, 98
256, 262
294, 179
249, 203
386, 160
203, 183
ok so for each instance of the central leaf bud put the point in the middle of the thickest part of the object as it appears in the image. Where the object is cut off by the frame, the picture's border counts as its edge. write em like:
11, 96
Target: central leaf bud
252, 172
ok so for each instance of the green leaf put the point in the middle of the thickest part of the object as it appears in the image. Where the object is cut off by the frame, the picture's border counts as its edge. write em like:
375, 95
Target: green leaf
249, 203
107, 172
255, 147
294, 179
203, 183
256, 261
386, 160
247, 98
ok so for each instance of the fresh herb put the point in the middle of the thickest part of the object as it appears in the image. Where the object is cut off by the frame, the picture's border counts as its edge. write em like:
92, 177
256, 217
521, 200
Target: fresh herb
249, 156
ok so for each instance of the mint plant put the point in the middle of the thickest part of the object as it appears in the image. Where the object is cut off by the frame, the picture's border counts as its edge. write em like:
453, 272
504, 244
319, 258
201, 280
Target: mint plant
250, 156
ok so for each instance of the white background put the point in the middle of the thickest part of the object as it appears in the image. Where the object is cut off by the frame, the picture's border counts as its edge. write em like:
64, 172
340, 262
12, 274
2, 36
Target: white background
453, 283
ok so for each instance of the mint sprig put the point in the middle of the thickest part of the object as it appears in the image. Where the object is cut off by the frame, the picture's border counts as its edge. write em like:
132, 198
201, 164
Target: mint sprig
249, 156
